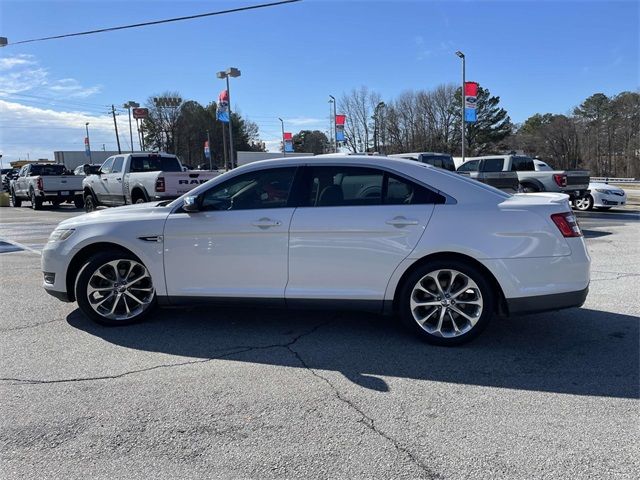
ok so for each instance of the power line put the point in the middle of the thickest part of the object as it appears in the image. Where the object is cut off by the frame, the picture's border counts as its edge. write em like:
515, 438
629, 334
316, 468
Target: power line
156, 22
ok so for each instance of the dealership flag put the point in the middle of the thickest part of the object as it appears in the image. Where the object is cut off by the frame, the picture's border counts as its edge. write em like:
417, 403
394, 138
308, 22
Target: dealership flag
288, 142
87, 148
223, 107
470, 100
207, 152
340, 119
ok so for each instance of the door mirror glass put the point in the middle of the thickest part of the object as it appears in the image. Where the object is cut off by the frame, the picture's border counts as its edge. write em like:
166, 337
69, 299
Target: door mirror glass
86, 169
190, 204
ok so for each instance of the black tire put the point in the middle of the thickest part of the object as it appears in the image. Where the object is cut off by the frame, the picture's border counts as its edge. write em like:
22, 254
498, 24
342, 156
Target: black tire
603, 208
486, 290
529, 188
78, 201
82, 282
15, 201
36, 203
56, 204
583, 204
89, 203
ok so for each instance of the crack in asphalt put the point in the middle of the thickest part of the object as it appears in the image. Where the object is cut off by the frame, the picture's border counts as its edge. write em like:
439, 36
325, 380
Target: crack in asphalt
235, 351
33, 325
617, 277
366, 420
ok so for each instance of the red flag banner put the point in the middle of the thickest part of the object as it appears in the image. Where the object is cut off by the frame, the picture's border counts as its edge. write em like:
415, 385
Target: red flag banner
471, 89
340, 119
287, 136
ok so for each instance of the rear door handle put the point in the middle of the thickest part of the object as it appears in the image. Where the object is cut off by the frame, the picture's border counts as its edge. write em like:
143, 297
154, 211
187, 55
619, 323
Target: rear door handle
266, 223
401, 222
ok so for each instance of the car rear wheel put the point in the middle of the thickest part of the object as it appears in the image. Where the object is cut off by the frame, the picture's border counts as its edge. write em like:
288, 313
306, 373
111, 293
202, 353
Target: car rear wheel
89, 203
36, 203
446, 302
583, 203
15, 201
78, 202
115, 288
529, 188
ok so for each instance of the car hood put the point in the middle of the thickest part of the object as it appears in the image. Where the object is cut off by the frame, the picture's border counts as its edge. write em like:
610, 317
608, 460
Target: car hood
127, 213
604, 186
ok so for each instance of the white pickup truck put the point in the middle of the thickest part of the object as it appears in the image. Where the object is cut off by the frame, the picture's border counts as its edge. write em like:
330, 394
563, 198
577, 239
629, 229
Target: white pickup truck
138, 178
46, 182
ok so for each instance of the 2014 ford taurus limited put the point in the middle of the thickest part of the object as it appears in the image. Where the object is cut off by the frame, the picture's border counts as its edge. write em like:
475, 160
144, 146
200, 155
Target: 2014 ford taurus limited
442, 251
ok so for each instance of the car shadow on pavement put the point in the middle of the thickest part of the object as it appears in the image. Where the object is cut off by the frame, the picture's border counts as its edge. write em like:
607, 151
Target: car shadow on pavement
576, 351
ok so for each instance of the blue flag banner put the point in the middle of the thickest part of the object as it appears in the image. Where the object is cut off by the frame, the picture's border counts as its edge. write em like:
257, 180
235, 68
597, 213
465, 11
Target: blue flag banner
288, 146
207, 152
470, 115
87, 148
340, 133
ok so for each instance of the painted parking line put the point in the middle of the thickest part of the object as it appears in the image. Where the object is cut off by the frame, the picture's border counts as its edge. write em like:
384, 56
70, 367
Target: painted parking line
7, 246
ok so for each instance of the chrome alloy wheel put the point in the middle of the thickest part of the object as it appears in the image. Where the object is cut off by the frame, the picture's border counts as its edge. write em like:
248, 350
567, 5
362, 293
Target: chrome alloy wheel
120, 289
583, 203
446, 303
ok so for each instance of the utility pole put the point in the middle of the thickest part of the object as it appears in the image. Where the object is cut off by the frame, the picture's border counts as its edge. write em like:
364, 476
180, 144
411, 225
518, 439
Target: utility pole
284, 148
335, 127
224, 147
86, 125
115, 125
331, 139
209, 147
461, 55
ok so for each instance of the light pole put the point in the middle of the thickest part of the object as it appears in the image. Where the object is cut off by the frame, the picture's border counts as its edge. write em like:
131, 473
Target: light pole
462, 57
230, 72
129, 105
284, 147
335, 128
86, 126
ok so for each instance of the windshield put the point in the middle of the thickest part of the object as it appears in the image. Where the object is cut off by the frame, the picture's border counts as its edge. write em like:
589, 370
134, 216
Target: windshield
45, 170
154, 163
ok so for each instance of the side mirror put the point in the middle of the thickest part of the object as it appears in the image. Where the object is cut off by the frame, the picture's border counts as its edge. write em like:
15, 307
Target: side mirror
86, 169
191, 204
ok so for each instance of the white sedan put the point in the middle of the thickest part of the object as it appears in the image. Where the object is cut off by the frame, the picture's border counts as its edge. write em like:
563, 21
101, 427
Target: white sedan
602, 196
386, 235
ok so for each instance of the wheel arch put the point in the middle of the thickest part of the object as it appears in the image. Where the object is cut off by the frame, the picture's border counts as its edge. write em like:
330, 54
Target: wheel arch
500, 303
80, 258
534, 182
138, 192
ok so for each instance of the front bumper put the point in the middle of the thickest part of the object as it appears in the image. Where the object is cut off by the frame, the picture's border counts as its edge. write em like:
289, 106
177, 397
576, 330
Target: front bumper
604, 200
545, 303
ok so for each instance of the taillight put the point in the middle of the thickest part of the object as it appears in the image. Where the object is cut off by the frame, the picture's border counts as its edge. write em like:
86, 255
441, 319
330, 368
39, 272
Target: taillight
39, 183
560, 179
160, 184
567, 224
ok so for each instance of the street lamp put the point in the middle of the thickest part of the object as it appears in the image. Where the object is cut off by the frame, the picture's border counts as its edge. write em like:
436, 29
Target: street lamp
129, 105
86, 126
462, 57
335, 128
230, 72
284, 147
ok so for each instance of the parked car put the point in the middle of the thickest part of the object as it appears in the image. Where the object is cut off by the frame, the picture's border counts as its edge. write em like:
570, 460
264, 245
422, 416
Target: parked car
601, 196
387, 235
440, 160
46, 182
490, 172
7, 175
92, 169
574, 183
139, 178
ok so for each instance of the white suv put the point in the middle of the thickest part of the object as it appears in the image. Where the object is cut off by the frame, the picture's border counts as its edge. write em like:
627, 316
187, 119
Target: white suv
375, 233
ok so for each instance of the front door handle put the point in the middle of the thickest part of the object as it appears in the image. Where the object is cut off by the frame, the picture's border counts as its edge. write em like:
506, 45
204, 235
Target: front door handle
401, 222
266, 223
119, 179
105, 179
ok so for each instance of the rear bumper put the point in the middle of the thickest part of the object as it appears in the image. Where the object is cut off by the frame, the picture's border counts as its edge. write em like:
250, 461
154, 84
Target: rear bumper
545, 303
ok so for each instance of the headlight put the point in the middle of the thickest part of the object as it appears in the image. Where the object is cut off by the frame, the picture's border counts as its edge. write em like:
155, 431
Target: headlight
606, 192
61, 234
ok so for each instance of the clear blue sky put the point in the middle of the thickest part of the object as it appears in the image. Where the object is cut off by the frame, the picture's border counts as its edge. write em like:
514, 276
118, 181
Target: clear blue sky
537, 56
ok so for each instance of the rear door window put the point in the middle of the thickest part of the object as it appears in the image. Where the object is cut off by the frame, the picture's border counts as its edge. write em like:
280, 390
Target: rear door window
492, 165
344, 186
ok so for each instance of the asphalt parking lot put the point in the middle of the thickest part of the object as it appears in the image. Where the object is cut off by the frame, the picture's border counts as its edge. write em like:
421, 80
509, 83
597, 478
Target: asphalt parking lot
246, 393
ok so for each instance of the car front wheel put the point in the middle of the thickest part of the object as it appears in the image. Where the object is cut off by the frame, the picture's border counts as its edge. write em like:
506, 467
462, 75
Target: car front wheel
583, 203
115, 288
447, 302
